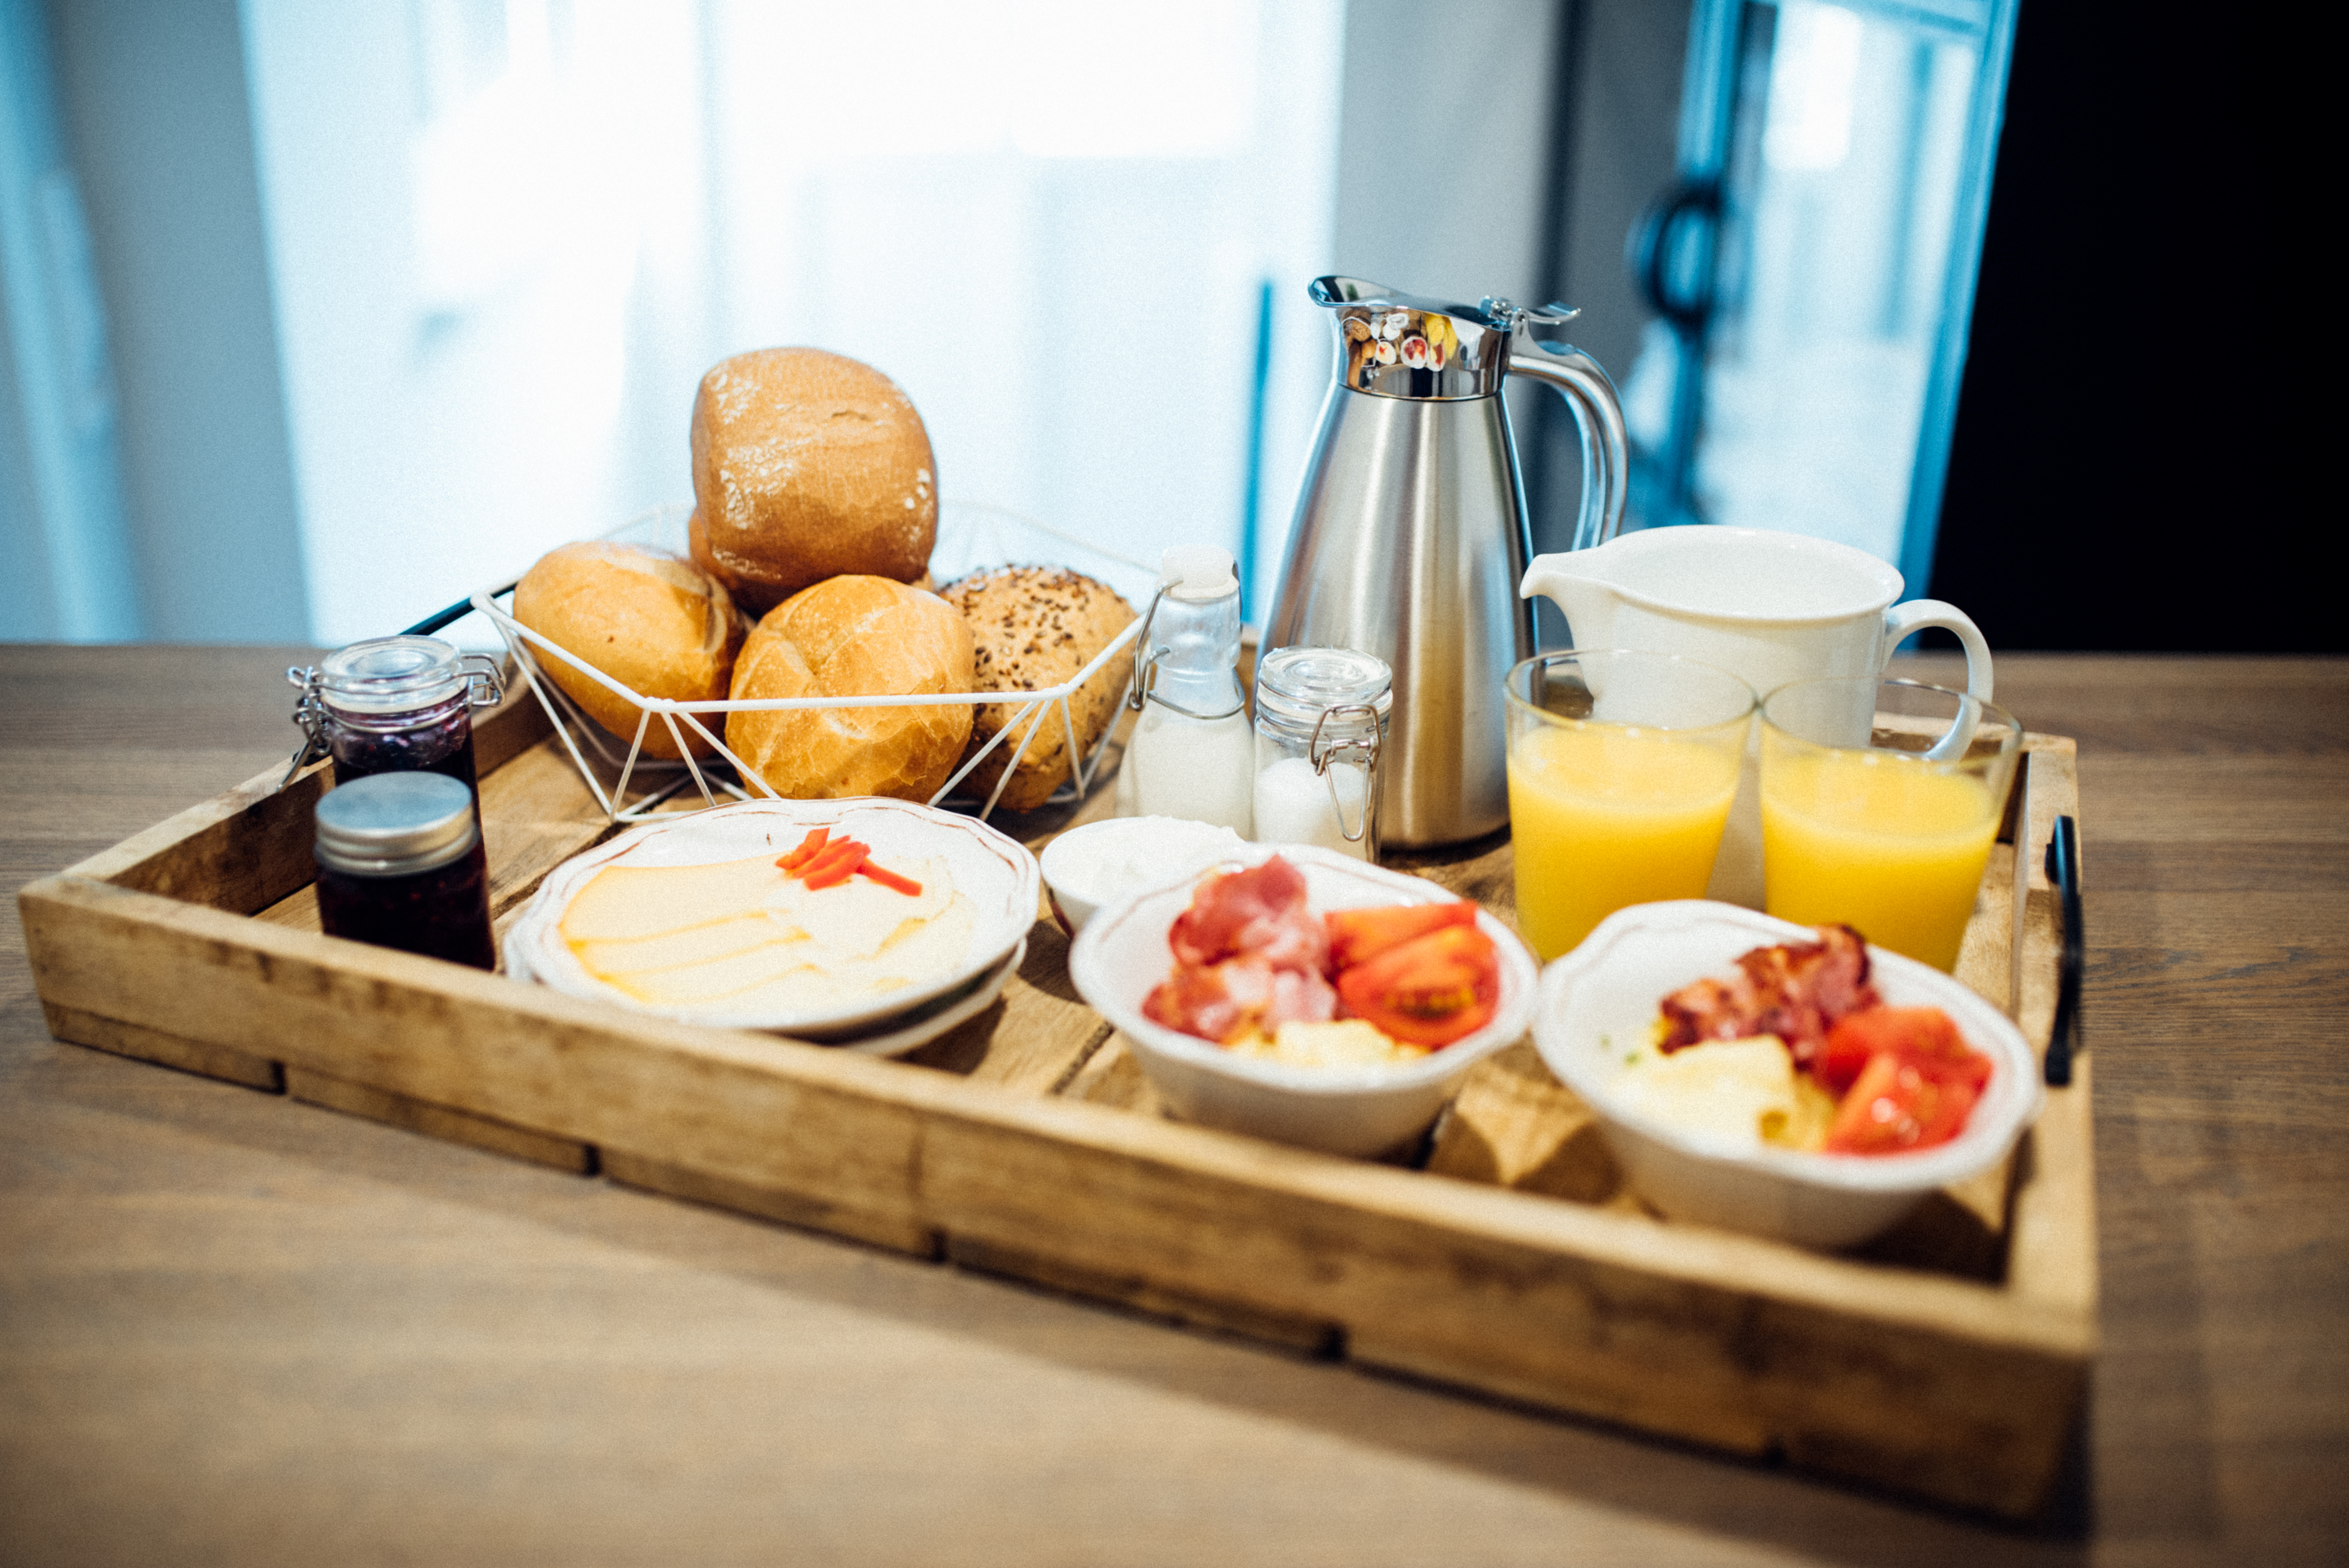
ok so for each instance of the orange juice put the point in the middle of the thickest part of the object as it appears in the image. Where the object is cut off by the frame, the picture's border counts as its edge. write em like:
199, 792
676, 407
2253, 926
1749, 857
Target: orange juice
1603, 816
1890, 845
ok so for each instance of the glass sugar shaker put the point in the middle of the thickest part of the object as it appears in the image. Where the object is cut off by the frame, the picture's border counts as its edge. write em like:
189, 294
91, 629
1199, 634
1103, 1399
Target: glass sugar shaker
1321, 719
401, 865
394, 705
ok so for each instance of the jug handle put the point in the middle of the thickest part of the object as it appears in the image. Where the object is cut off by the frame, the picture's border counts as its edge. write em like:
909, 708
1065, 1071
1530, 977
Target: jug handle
1599, 417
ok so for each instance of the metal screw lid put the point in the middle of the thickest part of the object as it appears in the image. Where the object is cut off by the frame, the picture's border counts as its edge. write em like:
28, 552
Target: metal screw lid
394, 824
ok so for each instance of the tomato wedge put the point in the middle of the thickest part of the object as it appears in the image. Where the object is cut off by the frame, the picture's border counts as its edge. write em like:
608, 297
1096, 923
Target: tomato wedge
1924, 1037
1429, 991
1895, 1105
1356, 935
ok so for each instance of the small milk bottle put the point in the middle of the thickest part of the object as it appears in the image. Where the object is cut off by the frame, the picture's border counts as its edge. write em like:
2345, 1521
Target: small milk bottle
1320, 720
1192, 754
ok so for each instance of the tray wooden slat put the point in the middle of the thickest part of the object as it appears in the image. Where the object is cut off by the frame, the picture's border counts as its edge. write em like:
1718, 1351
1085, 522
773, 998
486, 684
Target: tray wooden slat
1949, 1361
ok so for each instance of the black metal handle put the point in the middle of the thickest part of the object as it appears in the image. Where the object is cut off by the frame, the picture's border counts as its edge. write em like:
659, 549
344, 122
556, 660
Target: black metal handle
454, 613
2064, 870
1650, 253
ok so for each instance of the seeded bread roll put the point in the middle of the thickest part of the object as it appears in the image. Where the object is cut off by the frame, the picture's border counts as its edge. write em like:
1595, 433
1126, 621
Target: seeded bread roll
808, 465
1035, 627
854, 636
652, 621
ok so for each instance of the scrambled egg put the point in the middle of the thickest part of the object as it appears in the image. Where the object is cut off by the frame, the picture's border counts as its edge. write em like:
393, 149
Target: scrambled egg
1348, 1042
1741, 1093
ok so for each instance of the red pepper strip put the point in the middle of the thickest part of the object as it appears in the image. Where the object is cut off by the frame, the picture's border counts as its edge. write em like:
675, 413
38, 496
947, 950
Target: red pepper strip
807, 851
835, 865
888, 877
830, 876
840, 850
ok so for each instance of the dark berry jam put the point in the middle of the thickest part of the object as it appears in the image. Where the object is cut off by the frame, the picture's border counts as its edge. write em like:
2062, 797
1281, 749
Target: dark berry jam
443, 913
437, 739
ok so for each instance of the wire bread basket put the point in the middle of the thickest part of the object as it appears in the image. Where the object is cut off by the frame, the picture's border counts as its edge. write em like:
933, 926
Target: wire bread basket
971, 536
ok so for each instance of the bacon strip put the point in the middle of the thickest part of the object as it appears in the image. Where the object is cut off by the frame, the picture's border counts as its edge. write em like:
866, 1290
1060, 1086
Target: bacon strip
1797, 991
1259, 912
1247, 958
1225, 1001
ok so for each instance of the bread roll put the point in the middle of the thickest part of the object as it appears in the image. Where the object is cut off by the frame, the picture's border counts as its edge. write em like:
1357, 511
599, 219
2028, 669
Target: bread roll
1035, 627
854, 636
808, 465
652, 621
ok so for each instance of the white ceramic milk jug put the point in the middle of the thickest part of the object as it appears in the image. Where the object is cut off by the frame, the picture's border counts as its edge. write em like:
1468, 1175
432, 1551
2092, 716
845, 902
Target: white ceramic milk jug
1769, 608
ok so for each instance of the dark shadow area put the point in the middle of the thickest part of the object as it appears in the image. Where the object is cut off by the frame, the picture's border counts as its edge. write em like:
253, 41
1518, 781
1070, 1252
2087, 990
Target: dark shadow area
2117, 477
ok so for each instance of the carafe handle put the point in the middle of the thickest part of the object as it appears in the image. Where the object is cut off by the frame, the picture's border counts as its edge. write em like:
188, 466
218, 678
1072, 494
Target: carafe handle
1599, 417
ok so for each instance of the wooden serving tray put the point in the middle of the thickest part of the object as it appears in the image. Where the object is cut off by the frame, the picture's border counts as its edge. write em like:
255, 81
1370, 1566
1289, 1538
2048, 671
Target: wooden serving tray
1947, 1360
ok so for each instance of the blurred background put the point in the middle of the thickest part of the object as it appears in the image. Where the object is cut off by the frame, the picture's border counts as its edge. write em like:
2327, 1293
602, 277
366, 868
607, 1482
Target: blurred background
320, 316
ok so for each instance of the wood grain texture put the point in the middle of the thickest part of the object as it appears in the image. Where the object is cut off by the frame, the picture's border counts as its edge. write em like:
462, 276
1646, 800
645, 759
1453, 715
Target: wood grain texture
1679, 1338
166, 1049
236, 1331
314, 1088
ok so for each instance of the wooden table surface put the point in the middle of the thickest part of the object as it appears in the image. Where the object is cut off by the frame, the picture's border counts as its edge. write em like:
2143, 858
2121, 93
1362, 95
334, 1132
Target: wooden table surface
236, 1329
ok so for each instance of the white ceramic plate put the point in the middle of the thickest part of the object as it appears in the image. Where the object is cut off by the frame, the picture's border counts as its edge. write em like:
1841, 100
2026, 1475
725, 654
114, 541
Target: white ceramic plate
994, 873
913, 1029
1121, 954
1599, 1001
936, 1016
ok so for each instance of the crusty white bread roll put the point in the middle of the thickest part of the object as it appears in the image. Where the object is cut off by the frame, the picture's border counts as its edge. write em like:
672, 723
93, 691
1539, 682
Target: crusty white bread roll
854, 636
652, 621
1034, 627
808, 465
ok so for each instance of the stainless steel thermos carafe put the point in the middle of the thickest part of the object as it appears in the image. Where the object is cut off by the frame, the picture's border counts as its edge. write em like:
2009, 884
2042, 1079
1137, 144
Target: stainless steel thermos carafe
1411, 533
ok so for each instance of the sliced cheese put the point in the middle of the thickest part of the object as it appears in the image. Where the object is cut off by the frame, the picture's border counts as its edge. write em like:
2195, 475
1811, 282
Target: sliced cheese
857, 918
1731, 1092
626, 903
740, 937
801, 990
721, 977
924, 950
675, 949
916, 949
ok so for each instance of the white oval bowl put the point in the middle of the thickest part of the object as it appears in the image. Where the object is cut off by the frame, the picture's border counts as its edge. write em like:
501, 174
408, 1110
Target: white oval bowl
1075, 901
994, 873
1604, 995
1121, 954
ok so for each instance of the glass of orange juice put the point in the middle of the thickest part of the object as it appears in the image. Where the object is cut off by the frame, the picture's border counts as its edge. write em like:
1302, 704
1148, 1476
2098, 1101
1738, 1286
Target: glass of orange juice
1879, 801
1621, 768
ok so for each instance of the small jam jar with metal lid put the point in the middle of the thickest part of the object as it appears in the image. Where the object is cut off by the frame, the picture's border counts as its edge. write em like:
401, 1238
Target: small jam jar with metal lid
401, 865
395, 705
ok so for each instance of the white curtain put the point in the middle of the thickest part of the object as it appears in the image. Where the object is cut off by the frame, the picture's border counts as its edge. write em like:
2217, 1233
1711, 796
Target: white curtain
507, 236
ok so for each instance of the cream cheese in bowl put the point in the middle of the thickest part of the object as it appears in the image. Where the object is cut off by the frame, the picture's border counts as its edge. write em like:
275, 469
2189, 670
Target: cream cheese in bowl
1102, 862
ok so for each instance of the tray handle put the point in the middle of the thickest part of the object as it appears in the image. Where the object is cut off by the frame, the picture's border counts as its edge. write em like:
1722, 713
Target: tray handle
2064, 870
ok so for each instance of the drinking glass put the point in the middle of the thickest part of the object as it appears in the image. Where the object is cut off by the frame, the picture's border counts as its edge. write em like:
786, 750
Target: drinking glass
1879, 801
1621, 768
